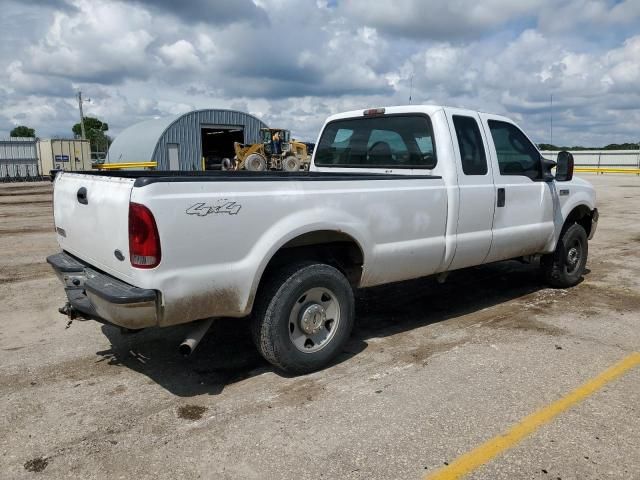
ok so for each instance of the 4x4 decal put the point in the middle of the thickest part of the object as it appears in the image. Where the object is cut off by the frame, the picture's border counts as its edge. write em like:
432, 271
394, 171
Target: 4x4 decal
220, 206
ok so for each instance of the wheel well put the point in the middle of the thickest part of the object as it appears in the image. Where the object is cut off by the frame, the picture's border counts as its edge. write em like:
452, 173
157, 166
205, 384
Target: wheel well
580, 215
327, 246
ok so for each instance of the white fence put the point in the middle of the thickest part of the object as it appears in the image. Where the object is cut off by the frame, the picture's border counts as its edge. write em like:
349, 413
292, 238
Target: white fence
602, 158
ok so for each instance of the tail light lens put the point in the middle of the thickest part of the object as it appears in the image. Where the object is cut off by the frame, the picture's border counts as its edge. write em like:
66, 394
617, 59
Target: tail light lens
372, 112
144, 241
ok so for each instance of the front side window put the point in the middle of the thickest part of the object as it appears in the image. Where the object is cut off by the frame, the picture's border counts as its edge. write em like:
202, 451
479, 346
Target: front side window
393, 141
516, 154
472, 154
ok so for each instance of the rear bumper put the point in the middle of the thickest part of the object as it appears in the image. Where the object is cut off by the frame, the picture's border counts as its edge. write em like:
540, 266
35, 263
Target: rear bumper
594, 222
102, 297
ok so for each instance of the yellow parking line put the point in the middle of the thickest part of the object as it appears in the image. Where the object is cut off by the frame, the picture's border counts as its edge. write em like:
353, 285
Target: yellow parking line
529, 424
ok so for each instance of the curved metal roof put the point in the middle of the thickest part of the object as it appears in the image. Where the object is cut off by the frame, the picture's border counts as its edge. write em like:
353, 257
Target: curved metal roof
148, 141
137, 142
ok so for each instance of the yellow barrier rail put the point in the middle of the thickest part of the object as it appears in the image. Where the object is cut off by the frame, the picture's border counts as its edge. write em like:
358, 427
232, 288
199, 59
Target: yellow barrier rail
635, 171
120, 166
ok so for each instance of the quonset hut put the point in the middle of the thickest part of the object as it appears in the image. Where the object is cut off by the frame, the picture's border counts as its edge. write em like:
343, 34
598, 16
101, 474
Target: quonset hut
195, 140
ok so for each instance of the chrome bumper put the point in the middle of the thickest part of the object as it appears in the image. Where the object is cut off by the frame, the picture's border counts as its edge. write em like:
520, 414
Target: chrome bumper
95, 295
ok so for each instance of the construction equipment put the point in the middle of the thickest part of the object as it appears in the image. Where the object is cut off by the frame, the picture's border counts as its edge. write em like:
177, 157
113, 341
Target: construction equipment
278, 151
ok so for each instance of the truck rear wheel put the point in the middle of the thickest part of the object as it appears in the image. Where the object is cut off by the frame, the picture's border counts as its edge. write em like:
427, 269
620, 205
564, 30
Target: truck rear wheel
564, 268
303, 317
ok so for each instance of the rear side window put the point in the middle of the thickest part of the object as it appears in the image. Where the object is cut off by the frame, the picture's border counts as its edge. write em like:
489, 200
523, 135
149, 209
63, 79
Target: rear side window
392, 141
516, 154
472, 154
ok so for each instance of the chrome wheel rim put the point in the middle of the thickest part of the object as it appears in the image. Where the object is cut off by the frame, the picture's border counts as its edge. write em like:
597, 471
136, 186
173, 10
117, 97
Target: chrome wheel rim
574, 255
314, 320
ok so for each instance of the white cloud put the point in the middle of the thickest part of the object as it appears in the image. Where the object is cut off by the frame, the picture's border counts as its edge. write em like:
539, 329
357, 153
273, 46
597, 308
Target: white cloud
598, 14
98, 42
439, 19
623, 74
180, 55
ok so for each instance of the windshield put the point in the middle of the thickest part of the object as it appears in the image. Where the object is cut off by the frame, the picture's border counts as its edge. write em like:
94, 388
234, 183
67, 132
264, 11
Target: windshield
393, 141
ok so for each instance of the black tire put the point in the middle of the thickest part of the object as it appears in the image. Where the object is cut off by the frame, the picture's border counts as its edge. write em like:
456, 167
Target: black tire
283, 296
564, 268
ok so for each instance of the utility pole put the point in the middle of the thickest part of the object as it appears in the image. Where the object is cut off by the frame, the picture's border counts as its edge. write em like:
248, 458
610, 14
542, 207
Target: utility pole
84, 136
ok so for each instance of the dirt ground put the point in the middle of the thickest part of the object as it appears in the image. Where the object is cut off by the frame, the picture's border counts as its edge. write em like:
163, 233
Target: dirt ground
431, 372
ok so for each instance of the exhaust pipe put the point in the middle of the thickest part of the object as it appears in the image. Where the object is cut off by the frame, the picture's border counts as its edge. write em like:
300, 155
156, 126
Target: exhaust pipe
192, 340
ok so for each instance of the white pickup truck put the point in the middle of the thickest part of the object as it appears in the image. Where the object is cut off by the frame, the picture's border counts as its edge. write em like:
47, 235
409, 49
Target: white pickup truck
392, 194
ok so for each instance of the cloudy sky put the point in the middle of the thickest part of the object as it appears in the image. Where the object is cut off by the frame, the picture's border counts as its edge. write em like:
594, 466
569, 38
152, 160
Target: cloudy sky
292, 63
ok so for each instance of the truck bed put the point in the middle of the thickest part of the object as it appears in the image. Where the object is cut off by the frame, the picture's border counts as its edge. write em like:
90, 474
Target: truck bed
218, 230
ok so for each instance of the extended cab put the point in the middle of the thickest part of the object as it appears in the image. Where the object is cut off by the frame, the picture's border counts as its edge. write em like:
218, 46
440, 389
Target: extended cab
392, 194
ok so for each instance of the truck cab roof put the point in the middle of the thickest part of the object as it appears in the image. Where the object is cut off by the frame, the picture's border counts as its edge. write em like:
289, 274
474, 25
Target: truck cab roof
399, 109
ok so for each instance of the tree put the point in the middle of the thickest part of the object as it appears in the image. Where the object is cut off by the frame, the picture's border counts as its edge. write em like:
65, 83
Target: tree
22, 131
547, 146
612, 146
622, 146
94, 130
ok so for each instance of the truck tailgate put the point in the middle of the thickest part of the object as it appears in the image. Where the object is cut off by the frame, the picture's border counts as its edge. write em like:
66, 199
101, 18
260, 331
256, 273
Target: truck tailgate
91, 217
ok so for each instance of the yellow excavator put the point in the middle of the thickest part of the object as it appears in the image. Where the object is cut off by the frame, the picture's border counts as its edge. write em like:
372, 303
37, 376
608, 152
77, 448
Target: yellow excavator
278, 151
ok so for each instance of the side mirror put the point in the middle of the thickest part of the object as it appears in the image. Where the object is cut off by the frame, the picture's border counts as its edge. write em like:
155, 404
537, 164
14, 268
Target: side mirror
547, 166
564, 168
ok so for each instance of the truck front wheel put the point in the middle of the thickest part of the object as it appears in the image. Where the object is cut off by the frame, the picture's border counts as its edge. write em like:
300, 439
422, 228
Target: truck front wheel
303, 316
564, 267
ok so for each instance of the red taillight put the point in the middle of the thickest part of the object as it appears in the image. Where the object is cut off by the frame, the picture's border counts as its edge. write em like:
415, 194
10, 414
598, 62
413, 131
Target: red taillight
144, 241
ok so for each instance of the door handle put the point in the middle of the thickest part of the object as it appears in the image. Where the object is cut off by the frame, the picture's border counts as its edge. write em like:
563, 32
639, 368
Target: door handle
501, 197
82, 196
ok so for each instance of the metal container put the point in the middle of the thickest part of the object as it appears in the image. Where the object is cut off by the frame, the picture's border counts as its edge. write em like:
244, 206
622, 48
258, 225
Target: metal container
18, 159
64, 154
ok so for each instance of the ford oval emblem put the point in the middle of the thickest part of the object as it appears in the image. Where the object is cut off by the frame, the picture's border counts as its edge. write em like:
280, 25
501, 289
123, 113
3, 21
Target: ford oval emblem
119, 255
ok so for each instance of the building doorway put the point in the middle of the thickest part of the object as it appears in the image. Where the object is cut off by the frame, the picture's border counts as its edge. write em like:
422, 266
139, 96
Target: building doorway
217, 143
